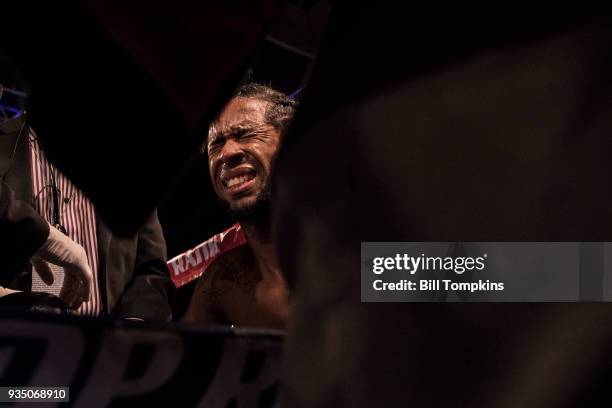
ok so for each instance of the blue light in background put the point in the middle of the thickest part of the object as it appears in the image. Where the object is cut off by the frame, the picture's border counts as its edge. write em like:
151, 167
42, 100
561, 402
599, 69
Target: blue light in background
12, 103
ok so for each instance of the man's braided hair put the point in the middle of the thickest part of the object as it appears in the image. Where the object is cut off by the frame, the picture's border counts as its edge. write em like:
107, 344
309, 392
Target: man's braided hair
281, 108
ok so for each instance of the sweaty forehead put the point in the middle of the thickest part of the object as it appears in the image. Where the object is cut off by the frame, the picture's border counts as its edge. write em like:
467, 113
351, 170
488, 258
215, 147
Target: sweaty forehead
241, 113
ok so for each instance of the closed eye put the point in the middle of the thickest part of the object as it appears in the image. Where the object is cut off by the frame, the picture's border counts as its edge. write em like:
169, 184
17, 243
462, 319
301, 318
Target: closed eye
241, 134
215, 145
237, 134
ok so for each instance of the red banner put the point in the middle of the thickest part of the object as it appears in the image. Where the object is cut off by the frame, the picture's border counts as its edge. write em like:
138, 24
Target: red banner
191, 264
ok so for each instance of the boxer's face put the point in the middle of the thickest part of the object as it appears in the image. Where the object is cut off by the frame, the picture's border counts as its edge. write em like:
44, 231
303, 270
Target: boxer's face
241, 149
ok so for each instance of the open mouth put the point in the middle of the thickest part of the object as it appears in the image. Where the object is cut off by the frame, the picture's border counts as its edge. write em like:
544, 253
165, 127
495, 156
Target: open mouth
238, 180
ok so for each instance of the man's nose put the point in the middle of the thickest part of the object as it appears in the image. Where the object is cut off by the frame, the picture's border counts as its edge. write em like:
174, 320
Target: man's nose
232, 153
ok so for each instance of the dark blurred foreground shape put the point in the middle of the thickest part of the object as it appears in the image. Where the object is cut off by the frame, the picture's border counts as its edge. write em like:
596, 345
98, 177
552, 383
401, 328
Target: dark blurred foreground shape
107, 363
447, 123
122, 92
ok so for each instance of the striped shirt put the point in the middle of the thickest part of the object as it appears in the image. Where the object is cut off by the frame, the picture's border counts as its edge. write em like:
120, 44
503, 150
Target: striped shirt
77, 215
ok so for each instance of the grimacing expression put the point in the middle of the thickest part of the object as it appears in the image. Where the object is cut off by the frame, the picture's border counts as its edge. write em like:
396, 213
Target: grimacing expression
241, 148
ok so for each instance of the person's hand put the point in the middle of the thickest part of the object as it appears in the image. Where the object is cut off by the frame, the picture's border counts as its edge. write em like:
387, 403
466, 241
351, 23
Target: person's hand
59, 250
6, 291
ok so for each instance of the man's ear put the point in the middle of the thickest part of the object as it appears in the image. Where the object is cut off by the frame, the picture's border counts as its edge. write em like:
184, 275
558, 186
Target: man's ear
1, 91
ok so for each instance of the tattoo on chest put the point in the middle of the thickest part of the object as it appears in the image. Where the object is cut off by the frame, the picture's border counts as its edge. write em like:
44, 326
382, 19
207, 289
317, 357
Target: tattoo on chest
238, 272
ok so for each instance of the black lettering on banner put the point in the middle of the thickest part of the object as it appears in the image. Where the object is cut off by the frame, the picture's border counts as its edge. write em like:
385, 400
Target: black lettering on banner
28, 365
256, 383
108, 379
131, 365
